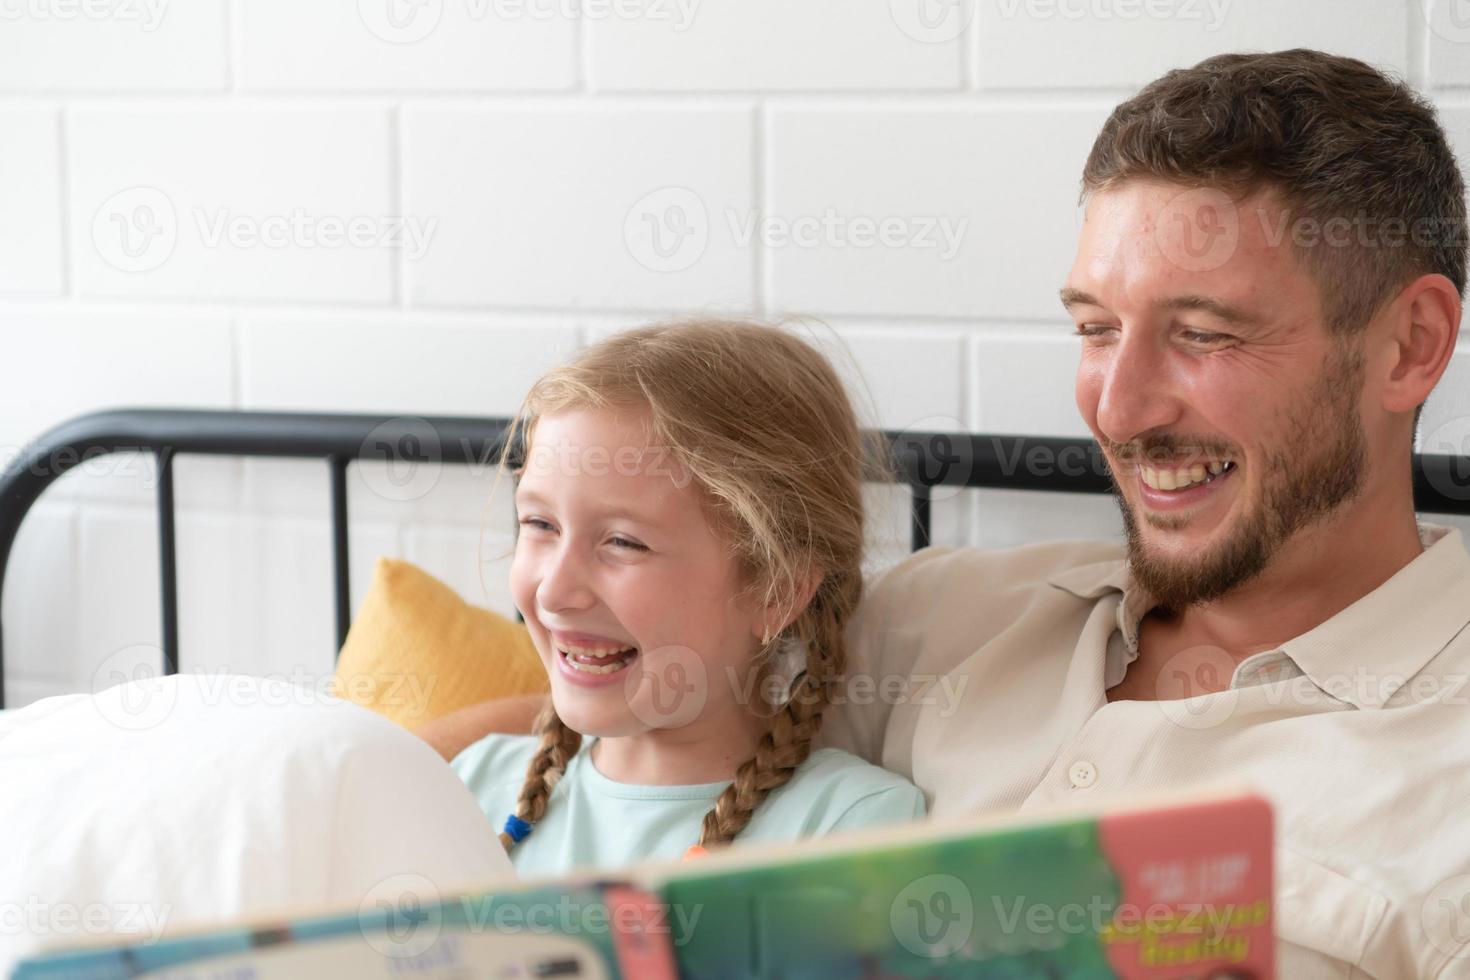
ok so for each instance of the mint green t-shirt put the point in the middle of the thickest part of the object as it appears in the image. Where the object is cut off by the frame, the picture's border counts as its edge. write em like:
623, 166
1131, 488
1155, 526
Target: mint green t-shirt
593, 822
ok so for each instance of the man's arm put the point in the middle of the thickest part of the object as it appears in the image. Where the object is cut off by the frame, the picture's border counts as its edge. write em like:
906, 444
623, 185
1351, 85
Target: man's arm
453, 733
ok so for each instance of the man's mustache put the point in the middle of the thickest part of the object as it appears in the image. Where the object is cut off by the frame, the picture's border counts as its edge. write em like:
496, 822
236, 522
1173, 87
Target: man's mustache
1165, 450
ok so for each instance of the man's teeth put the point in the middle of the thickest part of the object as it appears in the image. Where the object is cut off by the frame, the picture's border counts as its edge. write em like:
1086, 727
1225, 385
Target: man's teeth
1183, 479
597, 660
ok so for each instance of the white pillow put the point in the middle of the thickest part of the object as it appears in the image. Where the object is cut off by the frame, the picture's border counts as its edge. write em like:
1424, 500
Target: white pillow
174, 800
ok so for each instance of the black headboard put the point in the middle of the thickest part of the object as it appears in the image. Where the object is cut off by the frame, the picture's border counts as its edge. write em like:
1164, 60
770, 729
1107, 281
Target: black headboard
920, 460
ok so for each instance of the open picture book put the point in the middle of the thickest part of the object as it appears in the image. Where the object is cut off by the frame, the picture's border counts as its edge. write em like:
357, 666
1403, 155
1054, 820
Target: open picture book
1165, 888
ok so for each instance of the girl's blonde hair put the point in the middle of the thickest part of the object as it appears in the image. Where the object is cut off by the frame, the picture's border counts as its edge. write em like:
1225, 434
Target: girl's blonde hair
760, 421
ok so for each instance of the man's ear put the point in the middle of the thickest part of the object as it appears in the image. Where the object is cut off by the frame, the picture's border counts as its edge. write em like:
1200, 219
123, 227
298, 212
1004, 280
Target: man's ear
1421, 342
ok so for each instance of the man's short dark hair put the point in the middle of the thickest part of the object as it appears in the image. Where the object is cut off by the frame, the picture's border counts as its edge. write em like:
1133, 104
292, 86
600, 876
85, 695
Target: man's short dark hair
1336, 139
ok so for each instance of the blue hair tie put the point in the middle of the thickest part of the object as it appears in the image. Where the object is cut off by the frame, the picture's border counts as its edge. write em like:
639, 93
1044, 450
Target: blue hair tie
517, 828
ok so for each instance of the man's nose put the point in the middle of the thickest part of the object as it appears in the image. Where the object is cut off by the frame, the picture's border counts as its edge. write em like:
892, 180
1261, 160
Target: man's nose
564, 582
1138, 393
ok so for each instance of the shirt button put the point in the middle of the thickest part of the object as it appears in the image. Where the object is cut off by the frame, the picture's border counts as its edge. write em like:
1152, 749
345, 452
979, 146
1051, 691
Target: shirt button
1082, 774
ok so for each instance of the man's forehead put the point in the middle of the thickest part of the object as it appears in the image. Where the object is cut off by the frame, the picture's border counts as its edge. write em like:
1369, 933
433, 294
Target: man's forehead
1150, 214
1147, 244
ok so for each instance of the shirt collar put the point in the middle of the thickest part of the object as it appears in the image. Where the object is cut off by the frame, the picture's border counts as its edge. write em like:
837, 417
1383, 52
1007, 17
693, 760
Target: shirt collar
1395, 630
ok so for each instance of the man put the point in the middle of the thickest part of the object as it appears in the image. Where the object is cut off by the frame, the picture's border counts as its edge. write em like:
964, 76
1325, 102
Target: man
1267, 286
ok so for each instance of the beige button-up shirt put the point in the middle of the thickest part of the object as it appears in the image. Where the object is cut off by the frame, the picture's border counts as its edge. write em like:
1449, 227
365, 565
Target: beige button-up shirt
981, 676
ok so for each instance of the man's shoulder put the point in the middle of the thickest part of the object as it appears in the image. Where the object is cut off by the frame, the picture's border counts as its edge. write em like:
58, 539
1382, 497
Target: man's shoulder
936, 577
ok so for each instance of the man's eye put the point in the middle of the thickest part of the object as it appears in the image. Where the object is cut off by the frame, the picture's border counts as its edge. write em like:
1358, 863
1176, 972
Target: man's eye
1092, 329
1204, 337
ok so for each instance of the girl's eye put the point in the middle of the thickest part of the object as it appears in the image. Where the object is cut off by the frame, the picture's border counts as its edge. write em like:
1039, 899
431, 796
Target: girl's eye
628, 543
536, 523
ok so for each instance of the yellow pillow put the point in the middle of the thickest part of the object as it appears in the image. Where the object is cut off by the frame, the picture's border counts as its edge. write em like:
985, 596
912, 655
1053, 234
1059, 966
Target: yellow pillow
417, 651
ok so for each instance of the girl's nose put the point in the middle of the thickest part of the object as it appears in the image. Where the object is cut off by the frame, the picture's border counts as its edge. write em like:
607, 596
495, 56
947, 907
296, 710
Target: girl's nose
564, 583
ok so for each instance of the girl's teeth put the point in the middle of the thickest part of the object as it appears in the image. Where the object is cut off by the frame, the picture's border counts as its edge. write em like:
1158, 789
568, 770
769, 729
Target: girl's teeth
595, 660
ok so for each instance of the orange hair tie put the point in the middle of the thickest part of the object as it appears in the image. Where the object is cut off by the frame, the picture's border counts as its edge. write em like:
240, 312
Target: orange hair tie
695, 851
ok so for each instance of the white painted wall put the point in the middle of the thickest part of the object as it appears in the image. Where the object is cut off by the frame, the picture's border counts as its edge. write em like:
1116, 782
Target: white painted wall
543, 146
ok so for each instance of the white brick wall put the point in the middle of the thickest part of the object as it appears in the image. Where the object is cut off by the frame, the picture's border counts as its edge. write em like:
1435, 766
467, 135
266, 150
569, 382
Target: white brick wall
416, 207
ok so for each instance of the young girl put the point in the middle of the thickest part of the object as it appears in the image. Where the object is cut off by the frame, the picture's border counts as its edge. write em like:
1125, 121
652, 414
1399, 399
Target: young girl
691, 530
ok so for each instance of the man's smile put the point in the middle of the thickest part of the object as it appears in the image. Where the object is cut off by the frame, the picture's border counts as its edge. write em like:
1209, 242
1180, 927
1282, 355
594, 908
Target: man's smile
1160, 491
1183, 477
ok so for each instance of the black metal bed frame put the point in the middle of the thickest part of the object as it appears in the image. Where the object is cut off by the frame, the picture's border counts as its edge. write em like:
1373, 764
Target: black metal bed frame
921, 460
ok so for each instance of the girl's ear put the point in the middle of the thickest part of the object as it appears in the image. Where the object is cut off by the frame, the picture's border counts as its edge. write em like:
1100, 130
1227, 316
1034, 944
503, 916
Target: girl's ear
777, 616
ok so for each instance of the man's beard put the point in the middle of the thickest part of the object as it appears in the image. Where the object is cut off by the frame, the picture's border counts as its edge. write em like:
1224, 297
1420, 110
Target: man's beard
1315, 471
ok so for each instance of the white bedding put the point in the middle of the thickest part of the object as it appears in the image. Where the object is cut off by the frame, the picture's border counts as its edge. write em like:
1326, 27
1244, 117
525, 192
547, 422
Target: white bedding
169, 801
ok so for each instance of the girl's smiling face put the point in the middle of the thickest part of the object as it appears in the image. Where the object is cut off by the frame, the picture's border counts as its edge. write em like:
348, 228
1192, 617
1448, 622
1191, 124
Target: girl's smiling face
630, 596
